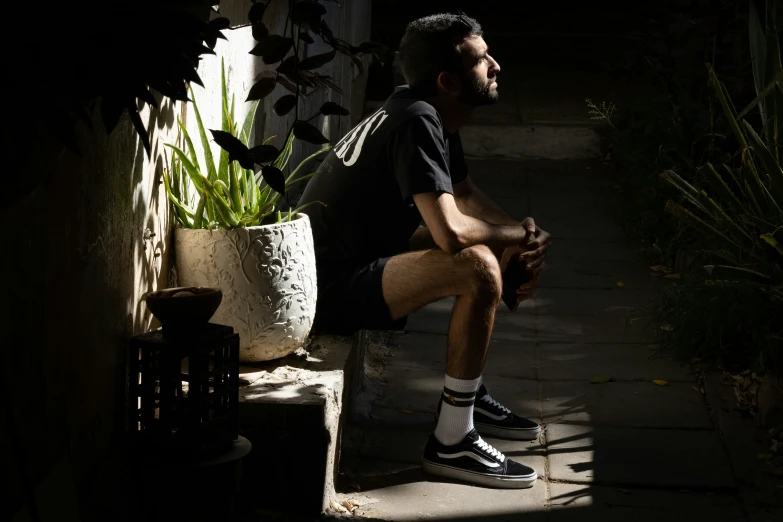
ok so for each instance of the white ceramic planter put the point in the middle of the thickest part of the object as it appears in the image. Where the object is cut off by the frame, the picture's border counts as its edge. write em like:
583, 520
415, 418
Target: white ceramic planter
267, 275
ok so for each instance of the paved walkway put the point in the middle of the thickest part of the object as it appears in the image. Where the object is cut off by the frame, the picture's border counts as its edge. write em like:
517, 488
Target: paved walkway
622, 450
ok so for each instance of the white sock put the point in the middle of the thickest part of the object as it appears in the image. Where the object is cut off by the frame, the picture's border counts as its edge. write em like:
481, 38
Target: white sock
456, 410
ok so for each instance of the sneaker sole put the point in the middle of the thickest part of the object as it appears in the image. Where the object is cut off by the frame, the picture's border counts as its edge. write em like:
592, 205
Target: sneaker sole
492, 481
506, 433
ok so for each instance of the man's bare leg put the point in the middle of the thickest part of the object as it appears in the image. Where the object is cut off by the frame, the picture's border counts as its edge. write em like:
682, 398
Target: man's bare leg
415, 279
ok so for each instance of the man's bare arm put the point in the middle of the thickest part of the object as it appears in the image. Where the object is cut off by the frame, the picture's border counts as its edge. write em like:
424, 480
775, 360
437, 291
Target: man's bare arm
473, 202
452, 230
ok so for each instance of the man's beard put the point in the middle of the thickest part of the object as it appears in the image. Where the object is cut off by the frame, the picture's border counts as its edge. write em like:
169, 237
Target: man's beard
478, 94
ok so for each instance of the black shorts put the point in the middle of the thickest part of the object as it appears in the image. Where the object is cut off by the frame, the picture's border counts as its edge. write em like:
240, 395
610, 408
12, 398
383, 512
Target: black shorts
353, 300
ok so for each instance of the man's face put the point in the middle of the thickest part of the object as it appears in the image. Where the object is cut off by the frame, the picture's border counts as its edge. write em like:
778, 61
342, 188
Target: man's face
479, 79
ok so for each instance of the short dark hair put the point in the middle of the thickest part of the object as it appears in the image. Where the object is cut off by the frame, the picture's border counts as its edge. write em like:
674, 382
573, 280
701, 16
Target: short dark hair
430, 46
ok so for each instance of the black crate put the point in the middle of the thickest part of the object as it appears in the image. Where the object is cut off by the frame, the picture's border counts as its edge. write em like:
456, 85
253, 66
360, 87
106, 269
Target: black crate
184, 391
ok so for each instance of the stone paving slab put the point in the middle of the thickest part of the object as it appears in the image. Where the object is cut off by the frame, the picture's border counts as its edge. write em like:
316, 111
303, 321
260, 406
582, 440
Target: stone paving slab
589, 273
419, 390
509, 326
407, 446
597, 328
623, 362
412, 495
637, 457
625, 404
579, 503
422, 350
580, 301
590, 250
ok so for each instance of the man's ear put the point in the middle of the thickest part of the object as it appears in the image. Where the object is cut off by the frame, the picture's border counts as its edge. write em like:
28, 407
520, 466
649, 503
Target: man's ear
448, 82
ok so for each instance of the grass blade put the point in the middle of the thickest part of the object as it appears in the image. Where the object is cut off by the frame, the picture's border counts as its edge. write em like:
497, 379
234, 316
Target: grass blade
208, 158
193, 172
771, 166
692, 220
770, 88
247, 125
720, 187
735, 273
236, 194
304, 162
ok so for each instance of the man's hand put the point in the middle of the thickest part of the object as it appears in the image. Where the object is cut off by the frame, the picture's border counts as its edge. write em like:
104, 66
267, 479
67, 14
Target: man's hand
536, 247
533, 252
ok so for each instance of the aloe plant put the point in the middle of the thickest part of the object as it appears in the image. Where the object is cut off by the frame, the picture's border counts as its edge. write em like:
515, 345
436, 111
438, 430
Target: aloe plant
228, 193
740, 207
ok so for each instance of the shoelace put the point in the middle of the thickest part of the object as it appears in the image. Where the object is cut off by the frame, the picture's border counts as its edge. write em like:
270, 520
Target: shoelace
486, 398
489, 449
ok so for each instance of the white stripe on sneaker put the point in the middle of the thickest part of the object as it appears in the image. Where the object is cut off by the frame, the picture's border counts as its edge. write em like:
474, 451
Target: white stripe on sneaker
471, 455
476, 409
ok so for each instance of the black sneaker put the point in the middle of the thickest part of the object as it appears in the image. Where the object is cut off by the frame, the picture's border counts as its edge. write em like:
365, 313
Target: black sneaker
475, 461
492, 418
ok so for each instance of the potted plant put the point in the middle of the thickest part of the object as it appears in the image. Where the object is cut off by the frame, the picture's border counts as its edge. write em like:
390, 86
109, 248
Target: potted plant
232, 235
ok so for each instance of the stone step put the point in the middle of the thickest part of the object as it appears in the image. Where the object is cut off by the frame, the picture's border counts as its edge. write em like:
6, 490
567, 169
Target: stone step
292, 410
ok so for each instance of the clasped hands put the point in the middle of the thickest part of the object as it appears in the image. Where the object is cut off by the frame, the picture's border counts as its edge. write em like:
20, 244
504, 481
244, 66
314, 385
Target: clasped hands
532, 252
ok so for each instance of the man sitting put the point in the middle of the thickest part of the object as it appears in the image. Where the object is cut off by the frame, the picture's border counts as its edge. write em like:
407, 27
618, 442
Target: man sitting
376, 265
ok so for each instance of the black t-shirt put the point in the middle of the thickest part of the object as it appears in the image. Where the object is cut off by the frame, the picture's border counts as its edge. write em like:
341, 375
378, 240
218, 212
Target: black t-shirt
368, 180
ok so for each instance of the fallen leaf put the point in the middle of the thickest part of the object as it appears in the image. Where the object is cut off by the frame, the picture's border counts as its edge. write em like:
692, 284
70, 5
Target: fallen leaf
667, 327
675, 277
694, 388
600, 380
620, 284
337, 507
660, 382
764, 457
406, 412
660, 268
774, 446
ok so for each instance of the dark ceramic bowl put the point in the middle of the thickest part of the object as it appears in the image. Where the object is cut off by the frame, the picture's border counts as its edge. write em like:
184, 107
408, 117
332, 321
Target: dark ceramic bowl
184, 306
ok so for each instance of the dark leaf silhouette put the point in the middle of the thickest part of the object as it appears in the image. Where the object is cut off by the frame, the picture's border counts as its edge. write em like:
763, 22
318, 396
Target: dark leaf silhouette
256, 12
274, 48
323, 81
261, 89
274, 178
306, 132
260, 32
139, 126
319, 60
357, 62
220, 23
369, 47
272, 45
301, 77
308, 13
287, 66
230, 144
167, 88
291, 86
305, 37
341, 45
146, 96
265, 74
263, 153
330, 108
284, 105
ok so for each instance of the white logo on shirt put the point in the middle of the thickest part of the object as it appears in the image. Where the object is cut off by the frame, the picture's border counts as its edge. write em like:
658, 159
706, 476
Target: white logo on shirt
354, 140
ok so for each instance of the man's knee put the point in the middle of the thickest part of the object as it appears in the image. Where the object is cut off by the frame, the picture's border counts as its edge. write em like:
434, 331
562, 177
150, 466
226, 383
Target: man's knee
484, 271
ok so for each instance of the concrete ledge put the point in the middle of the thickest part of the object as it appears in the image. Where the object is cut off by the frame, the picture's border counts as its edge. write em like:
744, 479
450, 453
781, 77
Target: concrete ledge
550, 141
292, 411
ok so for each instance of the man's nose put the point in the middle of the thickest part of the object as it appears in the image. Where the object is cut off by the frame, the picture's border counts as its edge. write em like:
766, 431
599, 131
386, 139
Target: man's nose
493, 65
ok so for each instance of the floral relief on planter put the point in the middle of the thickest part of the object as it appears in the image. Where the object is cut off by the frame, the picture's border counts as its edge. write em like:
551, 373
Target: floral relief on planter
267, 275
